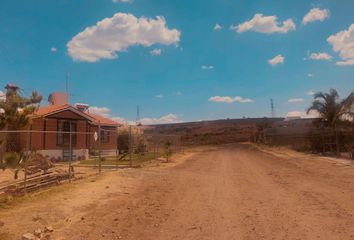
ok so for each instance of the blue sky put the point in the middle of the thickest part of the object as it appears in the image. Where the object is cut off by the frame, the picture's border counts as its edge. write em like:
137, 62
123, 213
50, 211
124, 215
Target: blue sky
167, 57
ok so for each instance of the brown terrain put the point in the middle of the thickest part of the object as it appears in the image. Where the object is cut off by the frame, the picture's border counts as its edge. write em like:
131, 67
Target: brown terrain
212, 132
227, 192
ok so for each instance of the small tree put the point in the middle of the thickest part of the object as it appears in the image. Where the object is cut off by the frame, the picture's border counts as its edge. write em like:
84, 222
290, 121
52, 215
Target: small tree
140, 145
123, 141
261, 127
14, 115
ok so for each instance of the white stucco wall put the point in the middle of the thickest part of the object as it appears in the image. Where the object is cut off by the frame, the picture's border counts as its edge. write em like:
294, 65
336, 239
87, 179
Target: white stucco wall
57, 153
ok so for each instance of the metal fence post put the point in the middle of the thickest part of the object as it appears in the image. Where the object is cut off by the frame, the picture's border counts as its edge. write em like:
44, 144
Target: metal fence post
99, 149
117, 155
117, 149
155, 150
337, 142
130, 147
181, 142
28, 143
70, 150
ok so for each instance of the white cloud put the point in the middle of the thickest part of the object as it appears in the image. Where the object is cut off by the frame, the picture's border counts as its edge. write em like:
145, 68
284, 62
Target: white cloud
343, 42
345, 63
178, 93
116, 34
320, 56
217, 27
123, 1
159, 96
106, 112
205, 67
311, 93
156, 52
295, 100
302, 114
276, 60
265, 24
2, 96
227, 99
169, 118
119, 120
295, 114
103, 111
310, 75
53, 49
315, 14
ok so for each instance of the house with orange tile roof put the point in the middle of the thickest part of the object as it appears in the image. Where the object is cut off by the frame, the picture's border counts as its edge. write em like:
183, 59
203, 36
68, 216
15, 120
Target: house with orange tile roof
60, 130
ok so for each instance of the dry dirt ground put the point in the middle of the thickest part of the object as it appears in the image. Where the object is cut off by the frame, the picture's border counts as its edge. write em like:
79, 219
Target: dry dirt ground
230, 192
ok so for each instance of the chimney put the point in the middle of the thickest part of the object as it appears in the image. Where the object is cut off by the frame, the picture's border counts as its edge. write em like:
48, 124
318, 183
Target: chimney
58, 98
12, 87
82, 107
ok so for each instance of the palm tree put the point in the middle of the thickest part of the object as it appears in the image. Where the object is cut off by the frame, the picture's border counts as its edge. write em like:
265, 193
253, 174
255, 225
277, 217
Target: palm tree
331, 109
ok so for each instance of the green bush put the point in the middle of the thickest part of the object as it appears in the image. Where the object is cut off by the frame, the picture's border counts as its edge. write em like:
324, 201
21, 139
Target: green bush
123, 141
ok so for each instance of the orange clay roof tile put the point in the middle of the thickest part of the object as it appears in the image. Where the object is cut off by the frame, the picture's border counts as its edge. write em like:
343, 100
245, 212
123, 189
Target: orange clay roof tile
44, 111
102, 120
50, 109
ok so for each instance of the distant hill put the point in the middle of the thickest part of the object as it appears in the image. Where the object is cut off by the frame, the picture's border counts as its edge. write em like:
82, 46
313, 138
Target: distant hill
212, 132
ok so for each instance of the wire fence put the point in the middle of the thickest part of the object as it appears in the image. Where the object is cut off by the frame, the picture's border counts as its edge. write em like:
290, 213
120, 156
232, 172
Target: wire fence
331, 142
42, 156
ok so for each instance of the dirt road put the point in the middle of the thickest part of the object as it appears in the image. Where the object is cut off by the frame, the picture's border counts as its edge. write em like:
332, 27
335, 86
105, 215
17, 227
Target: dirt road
233, 192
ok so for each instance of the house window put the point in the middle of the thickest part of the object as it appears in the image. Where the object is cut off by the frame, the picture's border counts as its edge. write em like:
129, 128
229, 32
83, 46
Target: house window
105, 135
64, 128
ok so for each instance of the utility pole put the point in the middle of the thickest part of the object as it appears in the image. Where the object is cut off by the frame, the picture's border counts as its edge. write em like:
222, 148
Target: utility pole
272, 111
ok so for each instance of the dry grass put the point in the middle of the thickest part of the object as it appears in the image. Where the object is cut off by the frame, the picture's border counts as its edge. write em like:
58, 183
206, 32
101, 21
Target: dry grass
4, 236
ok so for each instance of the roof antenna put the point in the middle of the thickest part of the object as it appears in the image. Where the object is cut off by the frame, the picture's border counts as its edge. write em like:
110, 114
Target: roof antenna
67, 82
